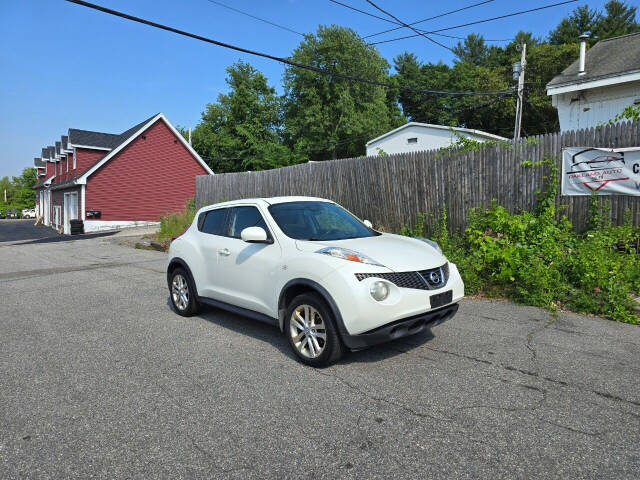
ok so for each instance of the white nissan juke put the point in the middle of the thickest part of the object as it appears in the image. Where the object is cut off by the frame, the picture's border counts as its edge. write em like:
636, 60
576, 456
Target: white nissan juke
328, 280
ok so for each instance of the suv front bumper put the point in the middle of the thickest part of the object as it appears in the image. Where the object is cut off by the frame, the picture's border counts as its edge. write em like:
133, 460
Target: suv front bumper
399, 328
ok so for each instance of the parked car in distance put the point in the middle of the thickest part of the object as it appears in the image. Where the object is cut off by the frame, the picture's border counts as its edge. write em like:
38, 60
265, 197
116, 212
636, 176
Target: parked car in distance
12, 213
328, 280
28, 213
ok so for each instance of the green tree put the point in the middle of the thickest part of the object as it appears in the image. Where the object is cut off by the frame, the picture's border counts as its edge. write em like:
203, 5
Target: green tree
581, 20
620, 19
544, 62
481, 112
330, 117
617, 19
19, 190
473, 50
242, 130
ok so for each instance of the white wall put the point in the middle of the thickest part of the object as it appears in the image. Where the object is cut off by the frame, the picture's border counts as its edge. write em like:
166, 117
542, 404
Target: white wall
102, 225
428, 139
595, 106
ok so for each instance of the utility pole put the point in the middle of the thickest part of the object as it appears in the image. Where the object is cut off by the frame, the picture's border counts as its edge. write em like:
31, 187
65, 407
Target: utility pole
519, 69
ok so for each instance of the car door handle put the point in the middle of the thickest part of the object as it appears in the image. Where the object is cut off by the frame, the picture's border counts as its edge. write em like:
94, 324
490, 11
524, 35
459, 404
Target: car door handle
224, 251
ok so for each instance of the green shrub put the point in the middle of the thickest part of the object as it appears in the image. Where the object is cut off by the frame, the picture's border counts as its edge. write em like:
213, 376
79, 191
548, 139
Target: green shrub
536, 259
174, 224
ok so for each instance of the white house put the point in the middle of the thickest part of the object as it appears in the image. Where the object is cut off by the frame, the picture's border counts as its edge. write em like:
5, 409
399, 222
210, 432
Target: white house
599, 84
414, 136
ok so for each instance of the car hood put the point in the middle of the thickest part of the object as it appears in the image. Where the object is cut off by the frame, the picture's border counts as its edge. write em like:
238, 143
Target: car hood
396, 252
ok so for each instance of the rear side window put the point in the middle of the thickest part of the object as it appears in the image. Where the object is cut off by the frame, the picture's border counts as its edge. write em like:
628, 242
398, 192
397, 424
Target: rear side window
213, 221
244, 217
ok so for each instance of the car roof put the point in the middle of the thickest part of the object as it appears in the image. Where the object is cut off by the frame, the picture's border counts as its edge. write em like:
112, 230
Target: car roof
269, 201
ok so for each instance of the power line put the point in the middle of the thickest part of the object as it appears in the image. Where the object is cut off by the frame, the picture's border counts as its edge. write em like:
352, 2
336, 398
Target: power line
419, 21
283, 60
478, 21
432, 18
408, 26
256, 18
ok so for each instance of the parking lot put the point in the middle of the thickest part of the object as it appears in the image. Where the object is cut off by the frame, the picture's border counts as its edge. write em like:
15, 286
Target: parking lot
99, 378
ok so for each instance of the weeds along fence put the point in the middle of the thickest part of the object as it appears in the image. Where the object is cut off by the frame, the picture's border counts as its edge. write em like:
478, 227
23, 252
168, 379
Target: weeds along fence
390, 190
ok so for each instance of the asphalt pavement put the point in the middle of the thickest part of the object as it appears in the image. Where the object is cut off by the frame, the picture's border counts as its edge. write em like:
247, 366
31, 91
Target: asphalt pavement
22, 230
100, 379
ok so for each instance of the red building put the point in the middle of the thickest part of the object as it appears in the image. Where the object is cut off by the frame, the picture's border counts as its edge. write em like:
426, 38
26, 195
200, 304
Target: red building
116, 180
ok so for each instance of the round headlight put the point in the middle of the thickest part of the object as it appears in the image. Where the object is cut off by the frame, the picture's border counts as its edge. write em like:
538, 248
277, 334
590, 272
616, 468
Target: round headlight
379, 291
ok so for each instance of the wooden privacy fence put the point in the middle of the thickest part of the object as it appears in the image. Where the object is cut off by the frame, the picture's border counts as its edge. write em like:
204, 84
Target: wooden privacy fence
391, 190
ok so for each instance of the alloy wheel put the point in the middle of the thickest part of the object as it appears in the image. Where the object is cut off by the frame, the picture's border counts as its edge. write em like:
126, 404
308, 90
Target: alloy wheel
308, 331
180, 292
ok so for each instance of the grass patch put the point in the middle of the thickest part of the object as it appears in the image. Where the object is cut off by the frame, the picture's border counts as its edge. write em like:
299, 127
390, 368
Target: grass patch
535, 259
174, 224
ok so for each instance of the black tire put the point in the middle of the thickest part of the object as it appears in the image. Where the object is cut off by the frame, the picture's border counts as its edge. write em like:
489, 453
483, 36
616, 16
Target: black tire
180, 306
332, 347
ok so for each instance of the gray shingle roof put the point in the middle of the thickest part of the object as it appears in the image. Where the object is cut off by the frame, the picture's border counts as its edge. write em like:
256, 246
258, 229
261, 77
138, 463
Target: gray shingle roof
65, 142
38, 163
52, 152
45, 152
101, 139
610, 57
58, 146
93, 139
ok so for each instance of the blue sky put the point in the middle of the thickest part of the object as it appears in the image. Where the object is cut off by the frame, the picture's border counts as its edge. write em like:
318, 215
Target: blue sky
63, 65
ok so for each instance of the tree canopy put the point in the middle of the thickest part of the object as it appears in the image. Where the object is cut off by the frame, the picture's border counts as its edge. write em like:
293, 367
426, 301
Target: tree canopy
242, 130
322, 112
319, 117
19, 190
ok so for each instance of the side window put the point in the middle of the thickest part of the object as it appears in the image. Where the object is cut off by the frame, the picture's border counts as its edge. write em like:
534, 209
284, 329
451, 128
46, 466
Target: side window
243, 217
213, 221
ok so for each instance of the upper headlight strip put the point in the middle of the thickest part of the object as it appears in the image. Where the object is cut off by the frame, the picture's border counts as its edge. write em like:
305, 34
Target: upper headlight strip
346, 254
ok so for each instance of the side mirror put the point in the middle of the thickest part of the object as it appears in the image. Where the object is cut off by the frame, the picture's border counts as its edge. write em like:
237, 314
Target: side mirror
367, 223
254, 235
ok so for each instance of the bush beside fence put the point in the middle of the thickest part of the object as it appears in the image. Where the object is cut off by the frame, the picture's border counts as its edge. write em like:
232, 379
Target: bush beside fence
391, 190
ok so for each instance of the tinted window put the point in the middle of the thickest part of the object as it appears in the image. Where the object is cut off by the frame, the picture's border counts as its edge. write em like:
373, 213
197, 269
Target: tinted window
214, 221
317, 221
244, 217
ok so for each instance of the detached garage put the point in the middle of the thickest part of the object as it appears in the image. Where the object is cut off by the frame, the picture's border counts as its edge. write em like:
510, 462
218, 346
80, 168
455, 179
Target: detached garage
117, 180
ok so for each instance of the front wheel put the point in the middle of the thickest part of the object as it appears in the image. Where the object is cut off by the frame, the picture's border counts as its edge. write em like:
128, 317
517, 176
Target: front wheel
182, 293
311, 331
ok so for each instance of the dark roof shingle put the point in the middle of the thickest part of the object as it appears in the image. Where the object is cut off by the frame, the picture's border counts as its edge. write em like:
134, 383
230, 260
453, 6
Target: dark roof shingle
92, 139
613, 56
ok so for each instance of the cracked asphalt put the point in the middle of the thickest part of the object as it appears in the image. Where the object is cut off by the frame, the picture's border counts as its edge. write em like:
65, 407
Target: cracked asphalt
100, 379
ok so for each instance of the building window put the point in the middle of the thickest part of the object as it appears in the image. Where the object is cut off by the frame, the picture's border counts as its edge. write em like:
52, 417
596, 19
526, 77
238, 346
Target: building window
412, 140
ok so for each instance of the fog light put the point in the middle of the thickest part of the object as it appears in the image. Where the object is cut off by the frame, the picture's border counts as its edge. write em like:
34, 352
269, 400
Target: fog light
379, 291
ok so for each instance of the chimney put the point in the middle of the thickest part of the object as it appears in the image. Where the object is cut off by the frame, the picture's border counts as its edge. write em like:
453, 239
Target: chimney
583, 52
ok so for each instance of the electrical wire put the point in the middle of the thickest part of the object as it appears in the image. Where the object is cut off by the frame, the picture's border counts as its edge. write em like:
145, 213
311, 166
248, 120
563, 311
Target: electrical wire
255, 17
419, 21
478, 21
409, 26
283, 60
431, 18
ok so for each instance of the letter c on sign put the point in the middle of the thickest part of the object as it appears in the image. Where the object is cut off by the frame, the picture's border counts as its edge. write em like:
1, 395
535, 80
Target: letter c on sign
636, 168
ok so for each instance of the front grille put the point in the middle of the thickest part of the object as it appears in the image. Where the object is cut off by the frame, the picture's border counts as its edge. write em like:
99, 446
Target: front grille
422, 280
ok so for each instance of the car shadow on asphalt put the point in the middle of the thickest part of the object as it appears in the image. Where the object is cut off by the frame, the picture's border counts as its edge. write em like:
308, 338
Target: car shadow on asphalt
272, 335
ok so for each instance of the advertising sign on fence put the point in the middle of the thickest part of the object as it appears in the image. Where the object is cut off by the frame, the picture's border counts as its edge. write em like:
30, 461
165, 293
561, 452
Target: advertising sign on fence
604, 171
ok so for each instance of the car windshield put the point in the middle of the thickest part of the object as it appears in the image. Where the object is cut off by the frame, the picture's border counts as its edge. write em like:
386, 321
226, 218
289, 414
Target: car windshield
318, 221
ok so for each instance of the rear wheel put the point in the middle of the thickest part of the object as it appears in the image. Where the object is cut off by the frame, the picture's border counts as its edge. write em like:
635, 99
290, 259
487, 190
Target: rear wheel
182, 293
311, 332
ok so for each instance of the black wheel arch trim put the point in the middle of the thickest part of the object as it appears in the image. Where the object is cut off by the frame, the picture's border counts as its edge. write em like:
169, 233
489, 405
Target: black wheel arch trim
326, 296
185, 267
